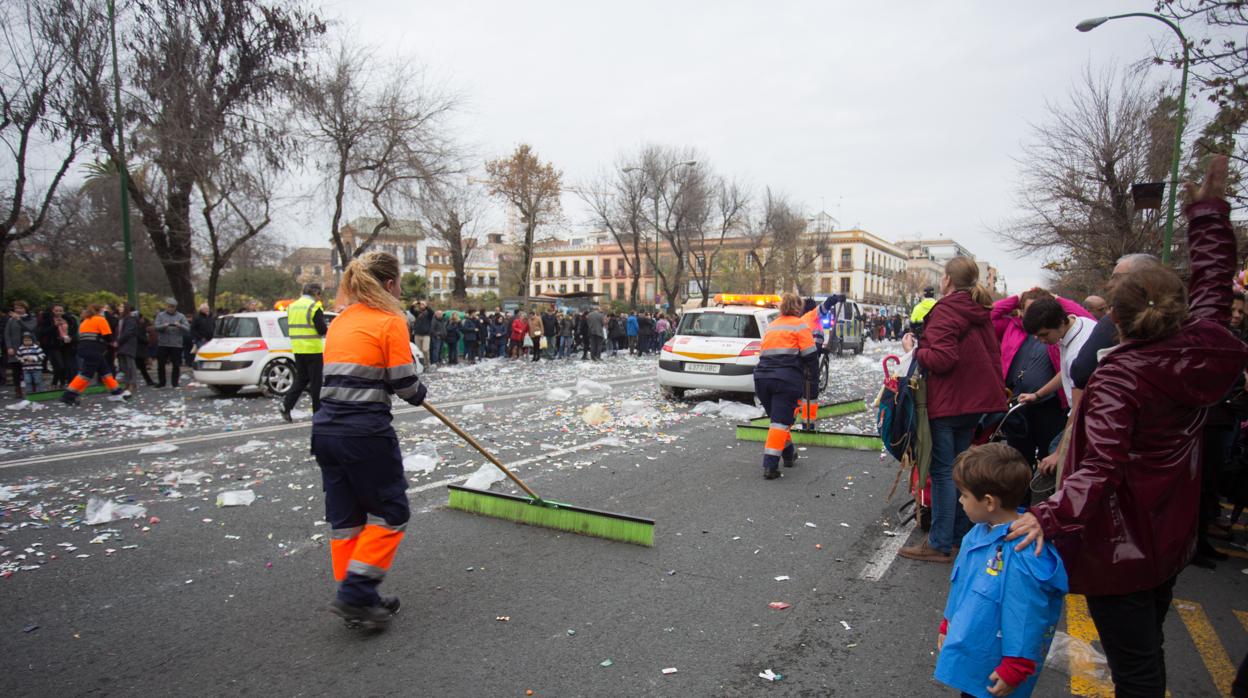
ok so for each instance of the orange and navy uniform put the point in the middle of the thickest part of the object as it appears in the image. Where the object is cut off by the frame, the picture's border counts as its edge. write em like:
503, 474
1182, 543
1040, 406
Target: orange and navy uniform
788, 353
367, 359
821, 322
93, 337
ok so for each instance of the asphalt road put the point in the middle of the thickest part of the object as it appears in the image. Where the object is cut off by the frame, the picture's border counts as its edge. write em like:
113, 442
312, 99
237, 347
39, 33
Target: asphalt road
230, 601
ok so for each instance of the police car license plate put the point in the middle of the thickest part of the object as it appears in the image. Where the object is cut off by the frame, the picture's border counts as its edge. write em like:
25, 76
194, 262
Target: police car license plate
209, 365
702, 368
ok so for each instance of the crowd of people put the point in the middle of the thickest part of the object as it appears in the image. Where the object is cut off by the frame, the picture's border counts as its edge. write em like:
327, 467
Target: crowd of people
446, 336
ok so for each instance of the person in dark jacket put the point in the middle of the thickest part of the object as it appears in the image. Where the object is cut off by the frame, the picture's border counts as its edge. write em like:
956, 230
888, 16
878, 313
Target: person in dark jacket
550, 328
645, 333
422, 327
126, 338
1124, 517
202, 327
582, 334
617, 330
20, 322
437, 337
963, 362
454, 333
58, 335
471, 329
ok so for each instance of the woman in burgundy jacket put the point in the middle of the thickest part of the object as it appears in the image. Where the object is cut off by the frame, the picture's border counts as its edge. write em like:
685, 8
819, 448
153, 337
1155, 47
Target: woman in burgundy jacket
963, 362
1124, 519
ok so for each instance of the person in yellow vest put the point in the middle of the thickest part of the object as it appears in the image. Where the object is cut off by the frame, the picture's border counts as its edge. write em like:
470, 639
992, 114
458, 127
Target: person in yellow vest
305, 321
919, 314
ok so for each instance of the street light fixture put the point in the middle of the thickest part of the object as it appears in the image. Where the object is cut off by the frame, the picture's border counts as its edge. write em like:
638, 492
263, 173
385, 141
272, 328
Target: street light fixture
1088, 25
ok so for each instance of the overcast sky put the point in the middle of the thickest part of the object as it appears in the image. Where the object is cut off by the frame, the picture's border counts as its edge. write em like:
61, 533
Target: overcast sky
902, 118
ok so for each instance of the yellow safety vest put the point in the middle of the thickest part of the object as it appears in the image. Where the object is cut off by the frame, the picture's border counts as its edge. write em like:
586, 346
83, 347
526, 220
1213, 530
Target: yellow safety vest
303, 336
919, 314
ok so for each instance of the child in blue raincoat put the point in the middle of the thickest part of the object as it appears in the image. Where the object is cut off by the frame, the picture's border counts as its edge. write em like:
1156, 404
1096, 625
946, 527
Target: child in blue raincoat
1004, 605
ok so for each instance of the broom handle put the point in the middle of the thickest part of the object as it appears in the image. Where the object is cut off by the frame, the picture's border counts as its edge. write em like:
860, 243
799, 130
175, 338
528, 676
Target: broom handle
473, 442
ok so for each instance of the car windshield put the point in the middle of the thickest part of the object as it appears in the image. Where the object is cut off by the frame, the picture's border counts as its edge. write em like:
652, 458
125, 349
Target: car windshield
719, 325
235, 326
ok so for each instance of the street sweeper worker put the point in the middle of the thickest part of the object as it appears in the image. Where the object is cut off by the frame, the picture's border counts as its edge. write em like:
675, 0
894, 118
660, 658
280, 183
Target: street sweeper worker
94, 335
788, 354
367, 359
821, 320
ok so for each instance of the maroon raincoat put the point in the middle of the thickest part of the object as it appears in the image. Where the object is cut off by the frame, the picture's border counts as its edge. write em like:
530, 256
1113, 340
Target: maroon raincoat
962, 358
1125, 516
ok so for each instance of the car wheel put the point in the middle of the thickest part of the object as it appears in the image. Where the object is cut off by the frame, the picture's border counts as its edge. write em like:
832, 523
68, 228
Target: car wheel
278, 376
858, 349
226, 390
671, 392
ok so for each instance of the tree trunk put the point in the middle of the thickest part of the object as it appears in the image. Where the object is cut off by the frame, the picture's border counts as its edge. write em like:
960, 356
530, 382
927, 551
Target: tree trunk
177, 234
459, 284
4, 258
214, 276
526, 253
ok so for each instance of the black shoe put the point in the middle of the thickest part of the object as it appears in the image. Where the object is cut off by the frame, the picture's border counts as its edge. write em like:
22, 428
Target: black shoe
390, 603
771, 474
1204, 549
159, 385
367, 617
286, 414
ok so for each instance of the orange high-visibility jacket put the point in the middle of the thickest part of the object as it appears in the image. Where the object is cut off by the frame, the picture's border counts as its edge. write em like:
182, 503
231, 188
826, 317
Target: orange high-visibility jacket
93, 330
788, 349
367, 359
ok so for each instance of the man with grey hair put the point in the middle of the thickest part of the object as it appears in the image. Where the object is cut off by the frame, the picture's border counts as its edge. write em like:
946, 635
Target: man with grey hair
1096, 306
305, 321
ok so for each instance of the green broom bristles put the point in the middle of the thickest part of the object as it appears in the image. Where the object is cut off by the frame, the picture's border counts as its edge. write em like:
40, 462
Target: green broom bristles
45, 395
834, 409
857, 442
547, 514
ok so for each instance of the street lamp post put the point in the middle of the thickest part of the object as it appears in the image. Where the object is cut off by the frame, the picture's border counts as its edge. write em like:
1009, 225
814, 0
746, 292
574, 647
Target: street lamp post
1088, 25
662, 178
132, 294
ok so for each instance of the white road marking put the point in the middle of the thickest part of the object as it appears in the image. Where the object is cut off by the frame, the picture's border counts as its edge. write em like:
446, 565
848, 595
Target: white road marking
512, 466
276, 428
883, 558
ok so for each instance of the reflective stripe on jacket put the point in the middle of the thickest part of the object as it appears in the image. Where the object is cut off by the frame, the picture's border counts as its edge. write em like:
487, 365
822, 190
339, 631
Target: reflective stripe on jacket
788, 349
367, 359
92, 333
304, 338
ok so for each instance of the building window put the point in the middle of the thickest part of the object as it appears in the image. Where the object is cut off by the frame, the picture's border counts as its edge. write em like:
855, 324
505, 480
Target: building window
845, 285
576, 288
410, 256
825, 285
563, 288
847, 258
550, 269
298, 269
437, 281
537, 270
606, 266
563, 268
589, 267
316, 271
576, 267
493, 280
619, 290
589, 288
537, 290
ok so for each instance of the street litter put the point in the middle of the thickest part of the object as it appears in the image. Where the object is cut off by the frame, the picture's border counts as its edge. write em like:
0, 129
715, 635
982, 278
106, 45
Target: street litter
422, 459
670, 670
891, 534
236, 498
782, 578
571, 632
502, 619
605, 663
474, 408
158, 447
1077, 658
739, 412
846, 625
631, 407
185, 477
596, 414
770, 675
810, 525
851, 429
250, 446
778, 605
585, 386
485, 476
104, 510
554, 395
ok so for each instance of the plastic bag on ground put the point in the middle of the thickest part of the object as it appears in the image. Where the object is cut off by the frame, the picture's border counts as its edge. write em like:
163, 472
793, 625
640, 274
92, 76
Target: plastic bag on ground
159, 447
104, 510
421, 459
252, 445
185, 477
851, 429
631, 407
1075, 657
558, 394
485, 476
707, 407
585, 386
739, 412
474, 408
596, 414
237, 498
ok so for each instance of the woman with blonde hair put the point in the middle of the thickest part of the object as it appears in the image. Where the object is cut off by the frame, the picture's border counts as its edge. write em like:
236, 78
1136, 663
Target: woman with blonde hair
962, 358
367, 359
788, 355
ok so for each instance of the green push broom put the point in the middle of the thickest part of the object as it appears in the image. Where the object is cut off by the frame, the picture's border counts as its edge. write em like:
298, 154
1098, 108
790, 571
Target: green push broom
535, 511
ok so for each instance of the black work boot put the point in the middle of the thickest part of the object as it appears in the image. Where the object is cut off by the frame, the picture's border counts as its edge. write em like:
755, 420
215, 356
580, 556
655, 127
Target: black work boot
390, 603
789, 456
771, 474
366, 617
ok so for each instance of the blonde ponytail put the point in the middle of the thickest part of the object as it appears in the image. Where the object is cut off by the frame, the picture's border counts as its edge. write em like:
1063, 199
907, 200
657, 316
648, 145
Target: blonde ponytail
963, 273
363, 280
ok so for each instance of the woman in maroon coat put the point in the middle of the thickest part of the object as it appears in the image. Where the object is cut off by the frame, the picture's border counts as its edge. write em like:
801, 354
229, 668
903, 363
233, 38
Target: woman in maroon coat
963, 362
1124, 519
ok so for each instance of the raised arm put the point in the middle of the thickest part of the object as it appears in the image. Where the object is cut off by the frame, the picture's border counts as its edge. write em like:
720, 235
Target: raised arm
1211, 245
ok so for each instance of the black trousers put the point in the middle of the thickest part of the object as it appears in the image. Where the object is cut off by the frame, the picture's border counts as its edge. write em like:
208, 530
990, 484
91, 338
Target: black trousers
595, 346
1130, 627
308, 371
1044, 421
166, 355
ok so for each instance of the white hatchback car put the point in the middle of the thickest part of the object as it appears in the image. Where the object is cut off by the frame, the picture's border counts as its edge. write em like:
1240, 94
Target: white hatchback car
716, 348
253, 350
